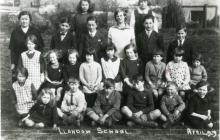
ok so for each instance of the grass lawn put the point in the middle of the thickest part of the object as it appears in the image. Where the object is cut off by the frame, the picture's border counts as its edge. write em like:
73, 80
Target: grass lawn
208, 45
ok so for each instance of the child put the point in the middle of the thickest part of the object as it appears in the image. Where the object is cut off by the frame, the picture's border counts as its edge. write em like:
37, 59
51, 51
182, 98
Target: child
72, 68
93, 38
18, 39
107, 106
181, 42
131, 66
140, 106
54, 76
121, 34
154, 73
33, 61
199, 107
24, 93
74, 103
178, 72
137, 16
63, 39
172, 105
85, 9
111, 67
90, 74
44, 112
149, 40
197, 71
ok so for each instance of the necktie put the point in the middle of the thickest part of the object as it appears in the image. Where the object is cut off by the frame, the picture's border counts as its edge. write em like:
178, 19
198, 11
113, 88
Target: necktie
71, 100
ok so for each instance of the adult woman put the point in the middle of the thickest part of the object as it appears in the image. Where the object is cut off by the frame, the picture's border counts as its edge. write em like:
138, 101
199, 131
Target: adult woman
121, 34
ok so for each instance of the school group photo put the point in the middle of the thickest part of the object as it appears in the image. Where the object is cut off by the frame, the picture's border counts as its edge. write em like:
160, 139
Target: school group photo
143, 68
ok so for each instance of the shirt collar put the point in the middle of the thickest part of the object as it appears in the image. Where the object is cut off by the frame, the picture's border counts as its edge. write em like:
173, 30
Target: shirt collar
122, 28
113, 59
92, 34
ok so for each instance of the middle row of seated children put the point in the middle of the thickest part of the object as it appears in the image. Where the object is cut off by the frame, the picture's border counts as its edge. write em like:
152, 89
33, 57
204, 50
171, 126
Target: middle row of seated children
139, 108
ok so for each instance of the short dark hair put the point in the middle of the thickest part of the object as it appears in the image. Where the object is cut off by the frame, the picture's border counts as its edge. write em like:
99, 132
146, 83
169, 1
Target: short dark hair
179, 52
118, 11
201, 84
91, 6
131, 45
32, 38
171, 83
158, 52
111, 46
197, 56
24, 13
148, 16
142, 1
90, 51
109, 83
181, 27
92, 18
73, 80
23, 71
65, 20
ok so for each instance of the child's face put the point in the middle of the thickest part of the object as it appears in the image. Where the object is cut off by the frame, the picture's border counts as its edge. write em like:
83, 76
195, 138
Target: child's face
109, 90
110, 53
202, 91
196, 63
181, 34
64, 27
171, 90
53, 58
89, 58
157, 58
30, 45
74, 86
120, 18
139, 86
21, 78
143, 4
84, 6
45, 98
24, 21
72, 58
91, 25
148, 24
130, 53
178, 58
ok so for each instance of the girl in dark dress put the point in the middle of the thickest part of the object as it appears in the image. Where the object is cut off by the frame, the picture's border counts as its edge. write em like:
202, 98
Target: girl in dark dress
44, 112
54, 76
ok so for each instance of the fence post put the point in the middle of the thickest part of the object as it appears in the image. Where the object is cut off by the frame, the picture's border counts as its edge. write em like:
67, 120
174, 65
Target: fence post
205, 16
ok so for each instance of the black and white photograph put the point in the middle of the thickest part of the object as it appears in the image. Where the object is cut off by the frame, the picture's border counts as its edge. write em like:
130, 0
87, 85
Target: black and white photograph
110, 69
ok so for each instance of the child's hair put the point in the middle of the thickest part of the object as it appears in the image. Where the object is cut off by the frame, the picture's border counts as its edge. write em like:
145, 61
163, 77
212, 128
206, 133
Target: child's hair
111, 46
90, 51
73, 80
24, 13
137, 78
108, 83
47, 91
158, 52
178, 52
148, 16
201, 84
73, 51
23, 71
197, 56
131, 45
142, 1
65, 20
57, 52
92, 18
91, 6
180, 27
32, 38
118, 11
172, 84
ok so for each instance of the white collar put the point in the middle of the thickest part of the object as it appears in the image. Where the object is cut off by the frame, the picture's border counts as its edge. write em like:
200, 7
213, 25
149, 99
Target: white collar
92, 34
25, 29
